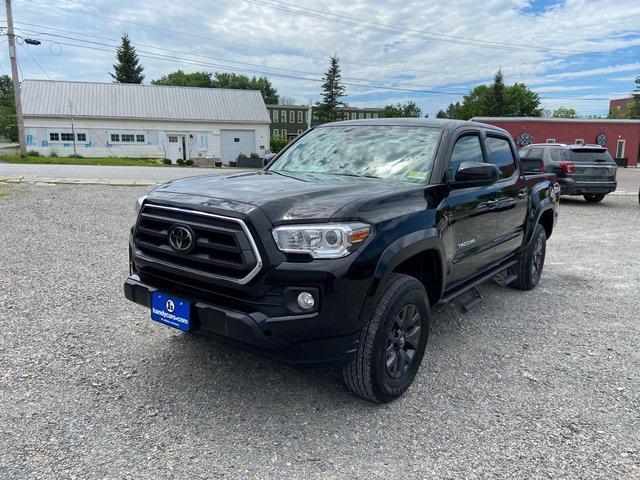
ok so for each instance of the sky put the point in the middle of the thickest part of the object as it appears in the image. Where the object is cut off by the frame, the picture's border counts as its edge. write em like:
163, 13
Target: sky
574, 53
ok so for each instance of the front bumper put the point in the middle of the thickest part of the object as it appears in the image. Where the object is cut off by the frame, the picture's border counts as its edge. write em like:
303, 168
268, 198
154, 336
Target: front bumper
255, 331
570, 186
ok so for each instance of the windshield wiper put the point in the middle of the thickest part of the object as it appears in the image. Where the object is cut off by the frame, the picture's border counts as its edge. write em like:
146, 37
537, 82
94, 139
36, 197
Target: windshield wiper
280, 172
354, 175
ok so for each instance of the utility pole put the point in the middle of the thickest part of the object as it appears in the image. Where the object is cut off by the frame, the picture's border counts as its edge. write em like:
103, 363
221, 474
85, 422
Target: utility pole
16, 80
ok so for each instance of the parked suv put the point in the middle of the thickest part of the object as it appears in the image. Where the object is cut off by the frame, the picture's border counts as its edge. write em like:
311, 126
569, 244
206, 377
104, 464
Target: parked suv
587, 170
336, 252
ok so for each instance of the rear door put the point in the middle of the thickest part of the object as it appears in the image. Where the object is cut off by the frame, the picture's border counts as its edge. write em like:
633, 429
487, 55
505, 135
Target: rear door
512, 195
592, 164
471, 214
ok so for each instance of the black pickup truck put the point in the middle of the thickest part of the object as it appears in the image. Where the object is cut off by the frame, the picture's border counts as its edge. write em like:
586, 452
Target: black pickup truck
337, 251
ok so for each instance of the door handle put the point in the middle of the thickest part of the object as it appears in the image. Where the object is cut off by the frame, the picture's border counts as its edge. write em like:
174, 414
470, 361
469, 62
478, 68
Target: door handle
522, 194
491, 203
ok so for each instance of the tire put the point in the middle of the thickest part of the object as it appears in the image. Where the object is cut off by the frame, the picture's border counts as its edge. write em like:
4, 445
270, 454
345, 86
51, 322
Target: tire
594, 197
403, 307
530, 261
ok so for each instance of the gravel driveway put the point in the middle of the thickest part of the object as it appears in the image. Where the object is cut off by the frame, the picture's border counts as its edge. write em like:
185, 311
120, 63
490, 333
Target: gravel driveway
542, 384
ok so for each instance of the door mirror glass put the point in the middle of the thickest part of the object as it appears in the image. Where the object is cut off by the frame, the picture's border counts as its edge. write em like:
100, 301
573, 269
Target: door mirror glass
475, 174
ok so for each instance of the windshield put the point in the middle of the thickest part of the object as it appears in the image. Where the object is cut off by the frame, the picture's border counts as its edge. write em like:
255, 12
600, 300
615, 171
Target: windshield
381, 151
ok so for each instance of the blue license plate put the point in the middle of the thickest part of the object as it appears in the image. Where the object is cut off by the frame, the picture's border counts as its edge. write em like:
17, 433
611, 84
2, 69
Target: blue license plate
172, 311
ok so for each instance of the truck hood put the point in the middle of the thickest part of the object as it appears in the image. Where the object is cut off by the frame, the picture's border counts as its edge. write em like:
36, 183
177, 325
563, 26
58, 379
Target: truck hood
282, 198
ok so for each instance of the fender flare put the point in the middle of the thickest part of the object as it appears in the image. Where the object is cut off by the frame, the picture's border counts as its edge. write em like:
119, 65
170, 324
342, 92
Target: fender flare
397, 252
544, 206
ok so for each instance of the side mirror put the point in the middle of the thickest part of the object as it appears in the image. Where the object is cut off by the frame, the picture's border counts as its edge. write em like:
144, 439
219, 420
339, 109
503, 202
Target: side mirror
532, 165
267, 158
475, 174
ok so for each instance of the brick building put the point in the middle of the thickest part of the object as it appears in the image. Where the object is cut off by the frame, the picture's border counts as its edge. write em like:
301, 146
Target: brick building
621, 137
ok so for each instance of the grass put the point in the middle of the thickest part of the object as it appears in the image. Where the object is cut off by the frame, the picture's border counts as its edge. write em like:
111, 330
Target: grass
106, 161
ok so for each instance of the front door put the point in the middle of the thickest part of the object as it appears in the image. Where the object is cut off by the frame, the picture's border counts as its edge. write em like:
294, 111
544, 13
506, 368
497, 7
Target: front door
175, 147
471, 215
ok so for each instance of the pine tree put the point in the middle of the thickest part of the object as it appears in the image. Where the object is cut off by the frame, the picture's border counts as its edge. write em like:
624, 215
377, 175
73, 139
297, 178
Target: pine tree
497, 100
332, 92
128, 69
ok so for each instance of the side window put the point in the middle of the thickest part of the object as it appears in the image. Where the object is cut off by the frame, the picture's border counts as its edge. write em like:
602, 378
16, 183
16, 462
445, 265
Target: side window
501, 156
466, 149
558, 154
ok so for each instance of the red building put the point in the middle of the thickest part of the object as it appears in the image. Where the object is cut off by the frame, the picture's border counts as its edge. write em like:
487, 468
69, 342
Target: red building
619, 107
621, 137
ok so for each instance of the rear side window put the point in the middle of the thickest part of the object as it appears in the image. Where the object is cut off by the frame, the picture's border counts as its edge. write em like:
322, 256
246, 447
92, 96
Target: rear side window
466, 149
501, 156
536, 153
559, 154
590, 155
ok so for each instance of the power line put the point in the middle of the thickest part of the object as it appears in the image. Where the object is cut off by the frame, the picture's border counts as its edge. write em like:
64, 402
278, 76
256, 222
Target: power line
26, 49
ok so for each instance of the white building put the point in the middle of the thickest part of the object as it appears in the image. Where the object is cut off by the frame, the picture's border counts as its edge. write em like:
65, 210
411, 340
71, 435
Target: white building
143, 121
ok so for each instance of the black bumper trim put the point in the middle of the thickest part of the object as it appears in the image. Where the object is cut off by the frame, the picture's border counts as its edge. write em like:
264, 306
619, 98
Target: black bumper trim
258, 332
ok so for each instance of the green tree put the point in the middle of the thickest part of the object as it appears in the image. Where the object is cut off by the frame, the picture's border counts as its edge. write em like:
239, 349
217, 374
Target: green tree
441, 114
181, 79
221, 80
409, 109
634, 108
496, 100
128, 69
564, 112
8, 122
332, 92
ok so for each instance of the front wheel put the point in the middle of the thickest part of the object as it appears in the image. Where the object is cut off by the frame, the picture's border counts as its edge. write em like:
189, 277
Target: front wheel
392, 344
593, 197
530, 261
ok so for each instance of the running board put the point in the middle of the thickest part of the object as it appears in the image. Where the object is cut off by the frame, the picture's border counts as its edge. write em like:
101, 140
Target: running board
505, 278
489, 274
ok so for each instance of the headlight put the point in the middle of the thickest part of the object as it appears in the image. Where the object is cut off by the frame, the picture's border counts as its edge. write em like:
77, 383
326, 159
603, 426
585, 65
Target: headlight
329, 240
138, 205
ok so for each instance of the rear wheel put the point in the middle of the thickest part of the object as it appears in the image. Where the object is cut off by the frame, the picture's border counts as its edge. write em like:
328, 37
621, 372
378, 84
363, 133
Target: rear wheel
593, 197
392, 344
531, 261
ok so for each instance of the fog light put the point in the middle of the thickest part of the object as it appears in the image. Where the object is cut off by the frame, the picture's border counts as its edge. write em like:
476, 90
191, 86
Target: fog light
306, 300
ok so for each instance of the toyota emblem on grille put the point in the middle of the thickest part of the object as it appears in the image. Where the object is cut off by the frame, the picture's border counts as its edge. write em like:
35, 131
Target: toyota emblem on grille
181, 238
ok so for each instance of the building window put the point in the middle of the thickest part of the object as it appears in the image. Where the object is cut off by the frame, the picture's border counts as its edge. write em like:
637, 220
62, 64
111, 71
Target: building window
292, 116
274, 115
367, 115
283, 116
361, 115
276, 133
284, 133
54, 137
620, 148
580, 141
115, 137
66, 137
140, 138
375, 115
300, 117
354, 115
81, 137
346, 116
172, 138
551, 140
127, 137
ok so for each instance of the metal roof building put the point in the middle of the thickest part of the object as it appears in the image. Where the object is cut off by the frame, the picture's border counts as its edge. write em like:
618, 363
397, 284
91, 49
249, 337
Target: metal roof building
103, 119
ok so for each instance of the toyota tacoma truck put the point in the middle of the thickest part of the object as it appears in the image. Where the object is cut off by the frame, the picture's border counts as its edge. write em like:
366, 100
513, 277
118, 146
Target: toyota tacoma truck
338, 250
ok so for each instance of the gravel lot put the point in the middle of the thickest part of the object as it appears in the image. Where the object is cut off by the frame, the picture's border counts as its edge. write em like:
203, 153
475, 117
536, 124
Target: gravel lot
543, 384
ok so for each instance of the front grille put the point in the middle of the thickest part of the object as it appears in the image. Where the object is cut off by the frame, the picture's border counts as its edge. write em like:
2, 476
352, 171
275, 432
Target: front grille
223, 247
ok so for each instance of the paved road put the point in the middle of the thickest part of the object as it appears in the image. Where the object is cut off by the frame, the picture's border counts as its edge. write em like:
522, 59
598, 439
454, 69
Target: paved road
147, 174
540, 384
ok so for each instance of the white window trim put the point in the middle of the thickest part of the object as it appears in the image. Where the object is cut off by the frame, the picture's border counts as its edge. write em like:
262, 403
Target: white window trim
274, 115
579, 141
292, 116
283, 116
300, 116
66, 130
135, 138
276, 133
551, 140
624, 147
284, 133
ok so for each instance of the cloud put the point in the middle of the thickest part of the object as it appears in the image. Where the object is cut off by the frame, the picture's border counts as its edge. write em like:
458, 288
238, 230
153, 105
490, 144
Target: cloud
445, 45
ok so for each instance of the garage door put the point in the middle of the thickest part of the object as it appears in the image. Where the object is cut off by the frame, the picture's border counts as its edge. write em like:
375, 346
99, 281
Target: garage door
235, 142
